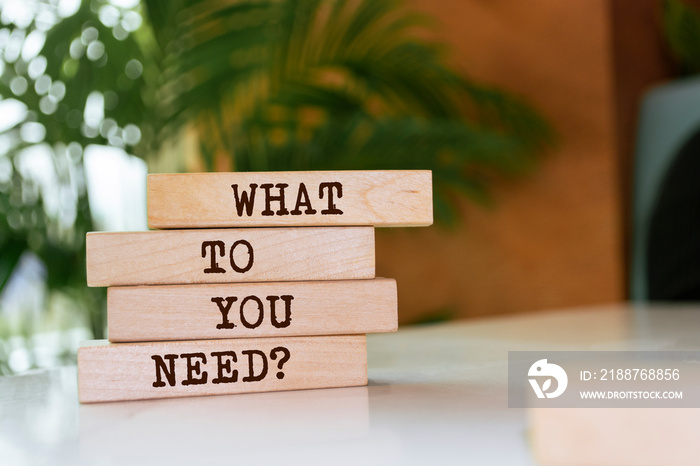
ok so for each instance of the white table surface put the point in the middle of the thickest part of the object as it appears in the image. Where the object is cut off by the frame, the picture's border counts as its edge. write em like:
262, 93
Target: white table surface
437, 395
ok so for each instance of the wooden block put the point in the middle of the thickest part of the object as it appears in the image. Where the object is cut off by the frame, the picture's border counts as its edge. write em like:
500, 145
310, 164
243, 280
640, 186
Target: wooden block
614, 436
229, 255
210, 200
246, 310
135, 371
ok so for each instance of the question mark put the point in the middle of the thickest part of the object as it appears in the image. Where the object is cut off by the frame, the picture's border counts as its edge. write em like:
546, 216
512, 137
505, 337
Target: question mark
283, 359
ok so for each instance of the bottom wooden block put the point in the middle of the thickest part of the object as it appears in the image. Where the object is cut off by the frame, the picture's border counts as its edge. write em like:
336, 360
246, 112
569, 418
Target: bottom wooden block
136, 371
615, 436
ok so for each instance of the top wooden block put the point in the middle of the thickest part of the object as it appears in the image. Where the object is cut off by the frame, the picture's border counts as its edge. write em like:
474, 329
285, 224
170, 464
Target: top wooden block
320, 198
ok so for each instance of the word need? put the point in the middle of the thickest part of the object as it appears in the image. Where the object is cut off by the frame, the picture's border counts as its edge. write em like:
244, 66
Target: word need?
195, 363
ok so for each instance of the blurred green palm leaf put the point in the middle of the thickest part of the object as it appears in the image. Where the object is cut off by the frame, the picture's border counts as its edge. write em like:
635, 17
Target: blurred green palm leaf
265, 85
681, 25
295, 85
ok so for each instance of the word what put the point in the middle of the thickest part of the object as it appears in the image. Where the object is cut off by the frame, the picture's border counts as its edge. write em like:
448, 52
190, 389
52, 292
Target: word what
245, 200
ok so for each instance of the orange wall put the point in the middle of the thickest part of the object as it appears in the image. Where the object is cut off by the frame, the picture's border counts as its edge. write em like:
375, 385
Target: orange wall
553, 238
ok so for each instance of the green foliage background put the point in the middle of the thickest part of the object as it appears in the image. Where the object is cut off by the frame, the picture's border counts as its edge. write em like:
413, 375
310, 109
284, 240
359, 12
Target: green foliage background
271, 85
681, 27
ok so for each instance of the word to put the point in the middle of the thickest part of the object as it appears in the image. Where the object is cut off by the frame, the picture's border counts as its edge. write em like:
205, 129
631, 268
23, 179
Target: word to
213, 246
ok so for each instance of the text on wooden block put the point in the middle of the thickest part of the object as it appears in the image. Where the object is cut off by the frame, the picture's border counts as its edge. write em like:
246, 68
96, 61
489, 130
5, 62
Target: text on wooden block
229, 255
131, 371
210, 200
245, 310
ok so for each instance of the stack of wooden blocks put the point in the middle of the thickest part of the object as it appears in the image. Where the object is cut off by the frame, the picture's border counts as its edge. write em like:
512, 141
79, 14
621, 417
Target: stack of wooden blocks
208, 305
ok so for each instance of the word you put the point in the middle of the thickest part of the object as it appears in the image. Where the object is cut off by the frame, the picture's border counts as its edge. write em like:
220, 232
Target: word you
195, 374
256, 308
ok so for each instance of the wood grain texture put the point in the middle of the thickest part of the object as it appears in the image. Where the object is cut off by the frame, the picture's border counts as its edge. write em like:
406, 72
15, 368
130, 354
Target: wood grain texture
279, 254
247, 310
129, 371
208, 200
605, 436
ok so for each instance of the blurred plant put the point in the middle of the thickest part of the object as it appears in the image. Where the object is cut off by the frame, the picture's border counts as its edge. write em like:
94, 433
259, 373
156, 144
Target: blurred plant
311, 84
681, 25
66, 91
264, 85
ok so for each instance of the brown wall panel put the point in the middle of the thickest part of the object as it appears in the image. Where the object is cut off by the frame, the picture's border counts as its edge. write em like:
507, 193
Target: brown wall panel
553, 238
642, 59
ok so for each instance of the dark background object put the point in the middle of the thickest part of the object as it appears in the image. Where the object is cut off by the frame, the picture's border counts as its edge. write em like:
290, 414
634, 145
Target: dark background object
673, 267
